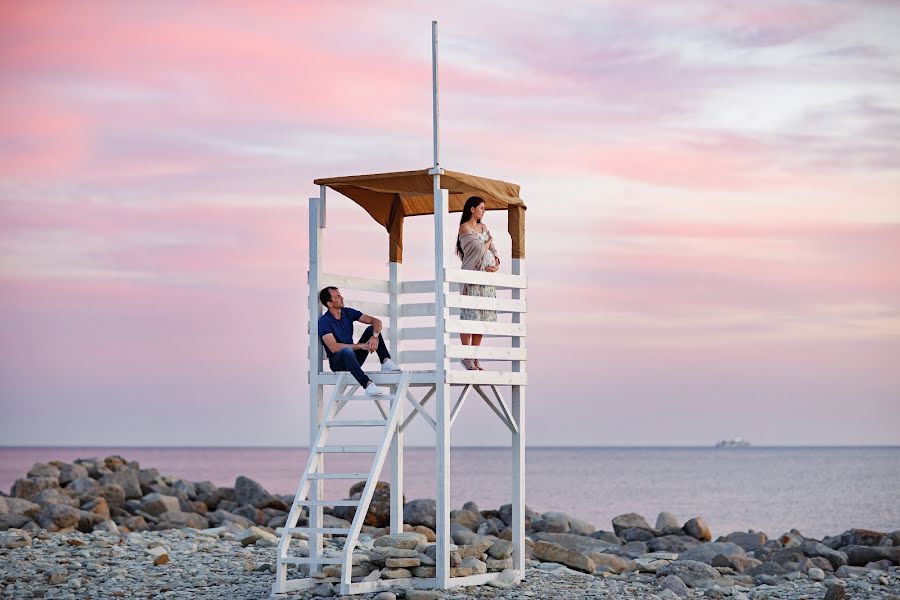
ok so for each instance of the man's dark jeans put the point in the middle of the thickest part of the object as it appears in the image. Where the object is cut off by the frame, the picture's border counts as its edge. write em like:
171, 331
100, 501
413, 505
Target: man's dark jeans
351, 360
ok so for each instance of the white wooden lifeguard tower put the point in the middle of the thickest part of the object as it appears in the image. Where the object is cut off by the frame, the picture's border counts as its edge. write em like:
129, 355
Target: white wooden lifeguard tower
426, 374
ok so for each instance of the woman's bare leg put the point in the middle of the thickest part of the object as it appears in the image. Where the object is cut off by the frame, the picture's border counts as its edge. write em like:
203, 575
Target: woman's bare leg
465, 338
476, 341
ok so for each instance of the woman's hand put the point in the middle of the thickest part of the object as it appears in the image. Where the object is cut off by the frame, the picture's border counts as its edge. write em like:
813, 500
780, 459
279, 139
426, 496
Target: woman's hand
493, 269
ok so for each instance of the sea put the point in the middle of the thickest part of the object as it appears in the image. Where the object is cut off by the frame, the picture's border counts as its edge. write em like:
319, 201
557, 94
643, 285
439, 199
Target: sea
817, 490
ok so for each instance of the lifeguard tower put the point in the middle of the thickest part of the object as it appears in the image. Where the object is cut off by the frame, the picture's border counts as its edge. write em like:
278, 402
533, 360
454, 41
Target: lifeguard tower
427, 375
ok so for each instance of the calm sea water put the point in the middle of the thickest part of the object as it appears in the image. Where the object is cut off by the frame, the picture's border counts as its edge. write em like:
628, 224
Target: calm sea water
820, 491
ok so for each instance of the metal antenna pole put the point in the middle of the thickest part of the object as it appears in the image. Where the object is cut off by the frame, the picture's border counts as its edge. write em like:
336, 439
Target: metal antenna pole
434, 87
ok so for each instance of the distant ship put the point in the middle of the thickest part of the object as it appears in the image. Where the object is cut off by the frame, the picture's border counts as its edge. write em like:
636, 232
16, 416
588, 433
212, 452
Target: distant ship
735, 442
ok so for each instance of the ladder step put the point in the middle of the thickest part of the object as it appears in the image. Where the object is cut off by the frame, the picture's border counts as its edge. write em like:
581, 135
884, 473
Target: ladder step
357, 423
303, 560
338, 476
362, 397
332, 530
338, 449
327, 503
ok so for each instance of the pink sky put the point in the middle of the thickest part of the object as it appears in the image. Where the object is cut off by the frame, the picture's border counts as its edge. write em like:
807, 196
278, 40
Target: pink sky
713, 224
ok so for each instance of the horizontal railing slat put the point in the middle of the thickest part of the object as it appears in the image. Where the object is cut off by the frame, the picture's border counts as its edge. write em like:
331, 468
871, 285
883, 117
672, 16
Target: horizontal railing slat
375, 309
483, 278
486, 353
484, 327
486, 377
416, 356
482, 303
364, 284
416, 333
417, 287
421, 309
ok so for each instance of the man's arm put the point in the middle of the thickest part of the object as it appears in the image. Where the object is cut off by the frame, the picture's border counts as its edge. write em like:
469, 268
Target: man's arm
335, 346
372, 344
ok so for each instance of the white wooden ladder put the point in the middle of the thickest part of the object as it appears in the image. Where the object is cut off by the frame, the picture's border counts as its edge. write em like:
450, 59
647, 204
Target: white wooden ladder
341, 394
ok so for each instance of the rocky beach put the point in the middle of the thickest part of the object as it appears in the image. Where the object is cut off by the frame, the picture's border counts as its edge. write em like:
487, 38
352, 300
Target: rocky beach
110, 528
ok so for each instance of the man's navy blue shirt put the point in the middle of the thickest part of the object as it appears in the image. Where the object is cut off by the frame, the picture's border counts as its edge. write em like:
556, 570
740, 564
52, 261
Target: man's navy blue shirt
341, 328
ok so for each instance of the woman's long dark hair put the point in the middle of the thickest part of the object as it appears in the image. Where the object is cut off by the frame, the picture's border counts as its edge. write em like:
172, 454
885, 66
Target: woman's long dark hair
471, 203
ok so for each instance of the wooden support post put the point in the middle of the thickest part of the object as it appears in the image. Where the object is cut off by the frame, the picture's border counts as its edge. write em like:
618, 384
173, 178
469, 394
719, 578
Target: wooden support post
397, 439
518, 439
316, 391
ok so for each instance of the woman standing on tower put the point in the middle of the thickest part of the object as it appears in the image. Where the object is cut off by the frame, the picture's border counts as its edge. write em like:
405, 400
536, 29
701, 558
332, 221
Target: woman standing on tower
475, 247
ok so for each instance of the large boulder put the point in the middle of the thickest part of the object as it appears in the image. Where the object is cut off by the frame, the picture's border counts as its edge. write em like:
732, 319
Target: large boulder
81, 486
628, 521
855, 537
691, 572
667, 520
505, 515
673, 543
706, 552
127, 479
837, 558
32, 486
247, 491
860, 556
149, 478
470, 519
698, 528
550, 552
379, 513
220, 517
112, 492
55, 496
421, 511
68, 473
748, 540
157, 504
43, 470
19, 506
179, 520
58, 516
407, 540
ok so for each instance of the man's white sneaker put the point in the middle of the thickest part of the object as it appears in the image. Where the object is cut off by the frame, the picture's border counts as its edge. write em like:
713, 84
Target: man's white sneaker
374, 390
389, 366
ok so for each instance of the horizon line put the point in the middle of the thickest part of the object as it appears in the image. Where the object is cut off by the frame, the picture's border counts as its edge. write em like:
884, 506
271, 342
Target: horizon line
494, 447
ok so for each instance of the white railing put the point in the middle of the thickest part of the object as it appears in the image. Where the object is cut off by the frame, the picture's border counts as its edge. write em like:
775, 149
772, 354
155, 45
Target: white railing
372, 297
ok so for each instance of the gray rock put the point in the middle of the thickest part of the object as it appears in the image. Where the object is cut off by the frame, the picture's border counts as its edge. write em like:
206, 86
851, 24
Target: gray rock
58, 516
55, 496
706, 552
463, 536
835, 592
505, 514
469, 519
68, 473
31, 487
81, 486
698, 528
19, 506
770, 568
860, 556
748, 540
112, 492
157, 504
385, 596
812, 548
633, 549
690, 572
628, 521
13, 520
816, 574
420, 512
579, 543
127, 479
185, 487
218, 517
247, 491
607, 536
673, 543
406, 540
550, 552
636, 534
423, 595
43, 470
674, 584
664, 520
500, 549
324, 590
179, 520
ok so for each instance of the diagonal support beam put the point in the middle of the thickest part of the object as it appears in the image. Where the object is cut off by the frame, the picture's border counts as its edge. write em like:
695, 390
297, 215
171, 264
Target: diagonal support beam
419, 406
513, 426
496, 410
462, 398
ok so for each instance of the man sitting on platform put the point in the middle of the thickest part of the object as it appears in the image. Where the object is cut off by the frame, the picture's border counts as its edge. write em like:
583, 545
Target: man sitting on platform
336, 333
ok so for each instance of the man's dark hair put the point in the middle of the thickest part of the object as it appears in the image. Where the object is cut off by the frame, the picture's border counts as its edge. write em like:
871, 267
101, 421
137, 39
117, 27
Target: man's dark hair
325, 295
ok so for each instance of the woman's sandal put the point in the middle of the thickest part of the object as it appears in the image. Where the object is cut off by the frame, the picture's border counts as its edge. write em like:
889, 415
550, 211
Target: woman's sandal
477, 365
469, 364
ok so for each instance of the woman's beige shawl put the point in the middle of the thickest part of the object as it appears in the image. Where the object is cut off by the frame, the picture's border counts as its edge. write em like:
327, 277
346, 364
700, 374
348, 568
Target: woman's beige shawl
473, 250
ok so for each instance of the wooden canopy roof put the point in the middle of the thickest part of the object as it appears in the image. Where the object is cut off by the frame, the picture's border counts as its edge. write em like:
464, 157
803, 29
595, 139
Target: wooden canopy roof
391, 197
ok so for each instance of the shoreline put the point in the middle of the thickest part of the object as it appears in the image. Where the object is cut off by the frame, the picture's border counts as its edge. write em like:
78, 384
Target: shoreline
63, 517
